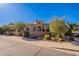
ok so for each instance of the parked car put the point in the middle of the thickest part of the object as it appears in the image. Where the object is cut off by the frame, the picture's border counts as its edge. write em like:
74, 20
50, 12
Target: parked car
2, 31
9, 33
68, 37
76, 38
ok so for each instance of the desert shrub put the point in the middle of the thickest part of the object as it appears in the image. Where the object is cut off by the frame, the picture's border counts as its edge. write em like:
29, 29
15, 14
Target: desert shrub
59, 37
46, 37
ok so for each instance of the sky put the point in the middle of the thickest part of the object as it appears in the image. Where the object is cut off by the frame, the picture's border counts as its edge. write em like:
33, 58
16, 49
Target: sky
30, 12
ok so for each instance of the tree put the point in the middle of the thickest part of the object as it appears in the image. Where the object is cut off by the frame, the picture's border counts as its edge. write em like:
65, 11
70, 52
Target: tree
19, 27
11, 26
53, 24
71, 28
58, 26
6, 27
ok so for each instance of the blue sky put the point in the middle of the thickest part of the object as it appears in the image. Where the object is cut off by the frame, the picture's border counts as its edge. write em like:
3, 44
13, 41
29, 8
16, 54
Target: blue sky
30, 12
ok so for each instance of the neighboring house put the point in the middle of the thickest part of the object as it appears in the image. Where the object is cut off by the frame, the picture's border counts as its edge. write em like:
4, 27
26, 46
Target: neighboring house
38, 28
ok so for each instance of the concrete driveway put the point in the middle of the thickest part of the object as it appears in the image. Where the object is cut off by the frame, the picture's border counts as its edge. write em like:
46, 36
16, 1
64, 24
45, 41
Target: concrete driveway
17, 47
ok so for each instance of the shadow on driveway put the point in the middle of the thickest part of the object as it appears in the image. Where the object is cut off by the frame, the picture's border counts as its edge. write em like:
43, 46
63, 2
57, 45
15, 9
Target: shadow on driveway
31, 39
66, 49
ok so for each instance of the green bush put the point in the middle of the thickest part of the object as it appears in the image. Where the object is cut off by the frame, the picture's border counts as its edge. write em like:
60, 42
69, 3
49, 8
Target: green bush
59, 37
46, 37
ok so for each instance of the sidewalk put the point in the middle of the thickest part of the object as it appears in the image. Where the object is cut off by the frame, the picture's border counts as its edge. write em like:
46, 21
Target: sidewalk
61, 46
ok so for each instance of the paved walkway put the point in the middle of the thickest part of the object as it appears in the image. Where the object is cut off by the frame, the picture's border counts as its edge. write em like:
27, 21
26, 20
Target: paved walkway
16, 46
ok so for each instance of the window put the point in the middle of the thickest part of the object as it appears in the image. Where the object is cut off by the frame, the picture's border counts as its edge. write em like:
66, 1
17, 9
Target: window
39, 28
39, 22
43, 29
47, 29
34, 29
